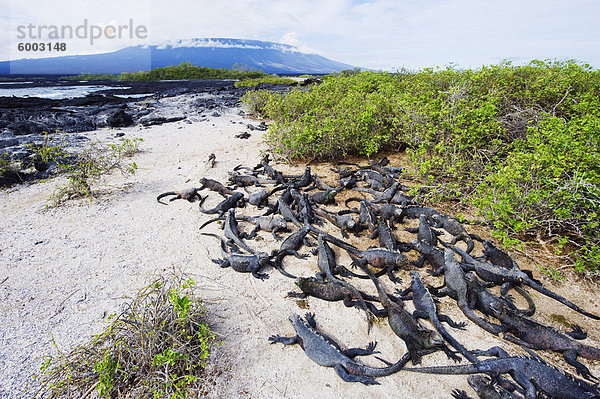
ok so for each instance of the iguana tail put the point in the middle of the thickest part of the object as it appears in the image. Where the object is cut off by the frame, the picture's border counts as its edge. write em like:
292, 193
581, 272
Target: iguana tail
455, 369
165, 195
560, 299
379, 372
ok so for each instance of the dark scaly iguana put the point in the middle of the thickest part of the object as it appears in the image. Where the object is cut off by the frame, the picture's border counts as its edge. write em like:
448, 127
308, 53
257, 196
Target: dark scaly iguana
189, 194
344, 222
486, 388
456, 229
331, 292
425, 308
529, 333
387, 239
485, 301
232, 231
261, 198
424, 232
405, 325
324, 197
215, 186
324, 351
271, 223
384, 196
242, 180
303, 181
531, 374
290, 246
431, 254
380, 258
242, 263
509, 278
455, 286
327, 265
225, 205
389, 212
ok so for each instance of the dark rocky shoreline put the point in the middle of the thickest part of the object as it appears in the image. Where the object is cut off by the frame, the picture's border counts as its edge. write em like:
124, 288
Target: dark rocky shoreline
24, 121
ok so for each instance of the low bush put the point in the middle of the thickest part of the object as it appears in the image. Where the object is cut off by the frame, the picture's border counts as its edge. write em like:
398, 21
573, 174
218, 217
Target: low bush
85, 168
156, 348
274, 80
519, 142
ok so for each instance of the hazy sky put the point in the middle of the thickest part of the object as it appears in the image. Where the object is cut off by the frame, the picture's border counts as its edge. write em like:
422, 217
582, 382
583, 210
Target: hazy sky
380, 34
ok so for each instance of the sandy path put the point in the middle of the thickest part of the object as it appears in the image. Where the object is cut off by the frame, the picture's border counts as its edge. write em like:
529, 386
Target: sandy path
68, 268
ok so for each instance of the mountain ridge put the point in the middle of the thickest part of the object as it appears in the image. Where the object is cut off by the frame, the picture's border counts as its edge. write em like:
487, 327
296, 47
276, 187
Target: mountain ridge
270, 57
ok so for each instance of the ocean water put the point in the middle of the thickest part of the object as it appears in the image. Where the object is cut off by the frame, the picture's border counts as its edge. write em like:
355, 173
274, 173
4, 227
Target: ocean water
53, 92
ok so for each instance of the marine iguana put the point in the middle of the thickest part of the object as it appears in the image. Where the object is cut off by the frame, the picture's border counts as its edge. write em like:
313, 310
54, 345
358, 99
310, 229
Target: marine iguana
305, 212
455, 286
414, 212
529, 373
242, 263
500, 258
405, 325
290, 246
271, 223
431, 254
318, 183
327, 265
344, 222
425, 308
378, 257
331, 292
382, 197
529, 333
509, 278
303, 181
189, 194
424, 232
455, 228
367, 218
482, 299
225, 205
486, 388
261, 198
387, 239
269, 170
324, 351
215, 186
324, 197
241, 180
232, 231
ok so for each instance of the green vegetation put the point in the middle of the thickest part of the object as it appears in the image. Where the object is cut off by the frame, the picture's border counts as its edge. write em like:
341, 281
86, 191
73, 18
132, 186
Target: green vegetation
92, 76
183, 71
157, 348
274, 79
84, 169
521, 143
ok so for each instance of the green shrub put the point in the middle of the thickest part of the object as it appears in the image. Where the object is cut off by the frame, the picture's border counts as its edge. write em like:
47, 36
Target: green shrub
519, 142
157, 348
85, 168
275, 80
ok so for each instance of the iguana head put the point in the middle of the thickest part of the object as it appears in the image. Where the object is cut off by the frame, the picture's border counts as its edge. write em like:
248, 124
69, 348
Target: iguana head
416, 244
279, 222
432, 339
350, 223
414, 276
400, 260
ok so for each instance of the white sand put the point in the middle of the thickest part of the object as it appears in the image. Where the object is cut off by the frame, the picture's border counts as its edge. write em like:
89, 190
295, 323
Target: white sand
70, 267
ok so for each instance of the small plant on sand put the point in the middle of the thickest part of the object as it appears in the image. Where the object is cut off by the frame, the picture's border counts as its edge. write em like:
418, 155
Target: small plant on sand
156, 348
87, 167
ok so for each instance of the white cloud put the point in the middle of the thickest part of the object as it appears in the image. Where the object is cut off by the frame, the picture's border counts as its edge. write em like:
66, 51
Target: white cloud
378, 34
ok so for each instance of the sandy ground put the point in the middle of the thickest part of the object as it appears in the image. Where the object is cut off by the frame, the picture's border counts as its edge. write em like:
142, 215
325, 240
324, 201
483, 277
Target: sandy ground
70, 267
